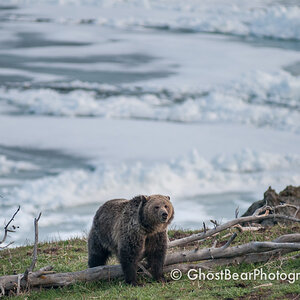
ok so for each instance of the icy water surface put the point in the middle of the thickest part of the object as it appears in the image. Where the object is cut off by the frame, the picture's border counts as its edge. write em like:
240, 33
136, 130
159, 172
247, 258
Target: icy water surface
199, 100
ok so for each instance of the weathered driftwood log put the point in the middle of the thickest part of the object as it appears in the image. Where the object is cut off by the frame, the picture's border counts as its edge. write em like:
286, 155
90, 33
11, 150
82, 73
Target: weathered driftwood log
242, 220
42, 278
251, 252
214, 253
247, 258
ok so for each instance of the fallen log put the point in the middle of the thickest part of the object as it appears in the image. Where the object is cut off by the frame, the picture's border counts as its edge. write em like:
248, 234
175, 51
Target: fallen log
247, 258
205, 234
214, 253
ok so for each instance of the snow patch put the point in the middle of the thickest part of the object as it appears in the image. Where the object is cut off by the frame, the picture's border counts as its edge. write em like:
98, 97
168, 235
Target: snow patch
260, 99
186, 176
257, 18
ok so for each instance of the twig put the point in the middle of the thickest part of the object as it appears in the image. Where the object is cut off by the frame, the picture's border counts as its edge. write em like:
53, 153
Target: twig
6, 229
267, 207
296, 213
43, 271
247, 228
144, 270
286, 205
263, 285
260, 210
215, 244
6, 246
216, 224
237, 212
229, 241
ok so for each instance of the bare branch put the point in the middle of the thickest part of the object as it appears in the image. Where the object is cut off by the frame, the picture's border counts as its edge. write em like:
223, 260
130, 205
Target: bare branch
6, 228
35, 249
229, 241
140, 265
215, 244
237, 211
260, 210
247, 228
43, 271
215, 223
267, 207
36, 240
6, 246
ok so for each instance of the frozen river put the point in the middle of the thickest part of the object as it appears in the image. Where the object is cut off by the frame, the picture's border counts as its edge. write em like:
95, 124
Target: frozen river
199, 100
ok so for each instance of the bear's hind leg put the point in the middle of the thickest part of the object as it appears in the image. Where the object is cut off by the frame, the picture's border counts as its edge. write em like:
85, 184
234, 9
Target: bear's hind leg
98, 255
98, 259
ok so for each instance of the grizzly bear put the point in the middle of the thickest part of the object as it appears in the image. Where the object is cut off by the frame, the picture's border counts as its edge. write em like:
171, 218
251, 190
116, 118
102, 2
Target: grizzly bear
132, 229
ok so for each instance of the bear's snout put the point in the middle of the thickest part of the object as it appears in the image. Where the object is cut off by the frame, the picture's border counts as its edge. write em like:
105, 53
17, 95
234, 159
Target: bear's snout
164, 216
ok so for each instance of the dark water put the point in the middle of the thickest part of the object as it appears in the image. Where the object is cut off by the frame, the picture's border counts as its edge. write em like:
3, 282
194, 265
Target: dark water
49, 162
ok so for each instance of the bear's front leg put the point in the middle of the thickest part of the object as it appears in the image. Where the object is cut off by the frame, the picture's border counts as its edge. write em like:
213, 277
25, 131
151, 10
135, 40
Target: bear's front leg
156, 248
130, 252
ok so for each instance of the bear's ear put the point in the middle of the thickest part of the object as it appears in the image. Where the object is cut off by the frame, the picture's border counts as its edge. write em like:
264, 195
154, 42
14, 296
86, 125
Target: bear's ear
168, 198
144, 198
139, 200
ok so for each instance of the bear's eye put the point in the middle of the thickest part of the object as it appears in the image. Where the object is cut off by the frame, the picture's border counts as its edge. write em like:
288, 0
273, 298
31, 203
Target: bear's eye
166, 206
156, 207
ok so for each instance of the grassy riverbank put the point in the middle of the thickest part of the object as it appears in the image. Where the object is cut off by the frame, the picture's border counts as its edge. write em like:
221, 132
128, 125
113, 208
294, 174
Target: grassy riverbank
71, 255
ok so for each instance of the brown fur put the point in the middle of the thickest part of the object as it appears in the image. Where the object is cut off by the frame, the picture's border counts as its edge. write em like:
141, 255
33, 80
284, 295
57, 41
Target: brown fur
132, 229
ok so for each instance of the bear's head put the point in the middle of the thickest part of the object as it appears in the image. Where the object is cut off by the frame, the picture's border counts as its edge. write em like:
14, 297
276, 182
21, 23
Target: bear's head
157, 211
